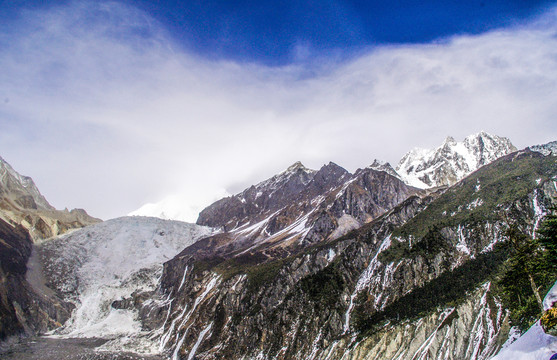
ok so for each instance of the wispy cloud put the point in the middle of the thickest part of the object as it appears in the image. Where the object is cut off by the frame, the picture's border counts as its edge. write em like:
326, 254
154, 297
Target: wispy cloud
107, 112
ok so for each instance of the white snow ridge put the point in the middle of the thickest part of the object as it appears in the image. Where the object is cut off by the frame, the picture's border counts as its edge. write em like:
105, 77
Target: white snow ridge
109, 261
452, 161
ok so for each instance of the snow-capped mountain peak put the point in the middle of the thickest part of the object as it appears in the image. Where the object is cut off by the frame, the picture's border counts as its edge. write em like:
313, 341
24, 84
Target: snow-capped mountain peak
546, 149
296, 172
297, 166
452, 161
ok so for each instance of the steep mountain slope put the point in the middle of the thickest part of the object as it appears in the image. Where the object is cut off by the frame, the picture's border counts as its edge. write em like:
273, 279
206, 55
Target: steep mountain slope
451, 161
299, 207
27, 306
98, 268
419, 275
20, 189
22, 203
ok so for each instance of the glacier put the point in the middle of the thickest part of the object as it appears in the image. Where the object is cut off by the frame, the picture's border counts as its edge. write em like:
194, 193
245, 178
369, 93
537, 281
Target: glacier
107, 262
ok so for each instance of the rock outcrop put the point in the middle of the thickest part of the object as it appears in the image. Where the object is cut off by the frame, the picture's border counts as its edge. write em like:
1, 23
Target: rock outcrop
25, 308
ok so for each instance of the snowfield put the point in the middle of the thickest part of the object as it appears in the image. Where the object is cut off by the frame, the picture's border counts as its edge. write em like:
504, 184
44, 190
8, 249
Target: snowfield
108, 261
534, 344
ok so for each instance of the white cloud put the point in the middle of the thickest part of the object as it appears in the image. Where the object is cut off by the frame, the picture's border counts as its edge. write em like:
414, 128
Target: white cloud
106, 112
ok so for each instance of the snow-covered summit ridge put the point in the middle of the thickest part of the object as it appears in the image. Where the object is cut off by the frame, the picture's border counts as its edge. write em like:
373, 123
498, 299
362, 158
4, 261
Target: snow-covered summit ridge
13, 183
546, 149
452, 161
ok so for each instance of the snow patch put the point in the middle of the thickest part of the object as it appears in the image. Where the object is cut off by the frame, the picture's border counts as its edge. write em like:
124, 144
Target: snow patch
474, 204
462, 246
534, 344
365, 279
199, 340
539, 213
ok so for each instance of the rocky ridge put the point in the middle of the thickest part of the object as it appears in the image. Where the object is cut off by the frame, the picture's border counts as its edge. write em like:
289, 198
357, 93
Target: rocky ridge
546, 149
299, 207
21, 203
334, 299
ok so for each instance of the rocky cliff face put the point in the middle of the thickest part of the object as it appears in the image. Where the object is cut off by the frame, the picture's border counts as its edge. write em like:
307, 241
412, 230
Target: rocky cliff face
359, 295
25, 308
443, 334
21, 203
451, 161
20, 189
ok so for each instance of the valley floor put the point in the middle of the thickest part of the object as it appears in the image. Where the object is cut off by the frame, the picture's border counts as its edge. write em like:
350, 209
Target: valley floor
41, 348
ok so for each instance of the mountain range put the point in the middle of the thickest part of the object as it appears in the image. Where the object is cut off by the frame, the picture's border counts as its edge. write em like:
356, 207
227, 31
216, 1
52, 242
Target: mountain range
419, 168
381, 263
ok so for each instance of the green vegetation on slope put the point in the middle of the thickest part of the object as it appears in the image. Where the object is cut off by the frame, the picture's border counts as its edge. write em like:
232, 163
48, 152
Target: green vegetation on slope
448, 289
484, 197
325, 286
494, 187
530, 272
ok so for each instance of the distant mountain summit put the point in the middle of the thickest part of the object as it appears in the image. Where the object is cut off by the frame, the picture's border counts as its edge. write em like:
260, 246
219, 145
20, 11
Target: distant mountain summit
546, 149
20, 189
379, 165
21, 203
419, 169
452, 161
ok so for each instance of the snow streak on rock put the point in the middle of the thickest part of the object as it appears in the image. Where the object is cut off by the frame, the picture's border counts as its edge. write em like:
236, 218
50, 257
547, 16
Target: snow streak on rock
199, 340
365, 280
423, 352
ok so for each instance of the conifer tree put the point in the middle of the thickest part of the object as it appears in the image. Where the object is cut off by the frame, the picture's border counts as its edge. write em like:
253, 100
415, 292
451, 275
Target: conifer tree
530, 271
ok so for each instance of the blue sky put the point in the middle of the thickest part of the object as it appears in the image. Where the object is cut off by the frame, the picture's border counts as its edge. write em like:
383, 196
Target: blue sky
273, 32
111, 105
281, 32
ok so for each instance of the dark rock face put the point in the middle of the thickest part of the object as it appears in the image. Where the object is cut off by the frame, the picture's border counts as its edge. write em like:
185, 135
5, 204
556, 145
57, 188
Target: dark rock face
267, 196
23, 311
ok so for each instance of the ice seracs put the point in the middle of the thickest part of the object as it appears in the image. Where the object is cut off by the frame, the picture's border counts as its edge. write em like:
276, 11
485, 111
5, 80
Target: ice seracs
107, 262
